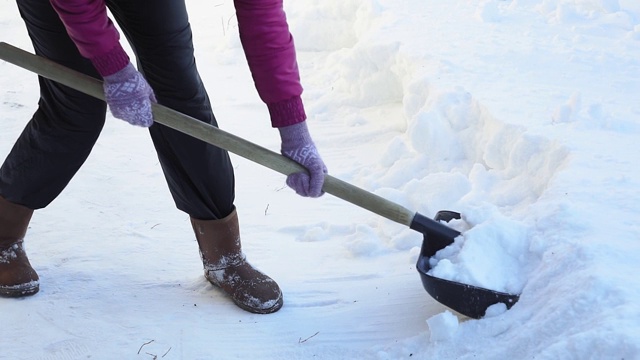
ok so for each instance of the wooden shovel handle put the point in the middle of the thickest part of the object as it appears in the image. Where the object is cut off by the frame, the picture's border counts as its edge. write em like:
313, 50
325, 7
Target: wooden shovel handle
208, 133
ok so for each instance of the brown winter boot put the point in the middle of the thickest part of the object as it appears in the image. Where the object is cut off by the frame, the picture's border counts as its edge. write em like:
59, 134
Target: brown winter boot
17, 277
225, 266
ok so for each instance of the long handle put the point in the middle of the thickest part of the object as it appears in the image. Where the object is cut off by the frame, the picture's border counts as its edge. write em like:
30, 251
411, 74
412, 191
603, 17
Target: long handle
208, 133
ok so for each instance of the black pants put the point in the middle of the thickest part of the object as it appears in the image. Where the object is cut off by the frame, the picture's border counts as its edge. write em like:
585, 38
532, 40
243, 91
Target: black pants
64, 129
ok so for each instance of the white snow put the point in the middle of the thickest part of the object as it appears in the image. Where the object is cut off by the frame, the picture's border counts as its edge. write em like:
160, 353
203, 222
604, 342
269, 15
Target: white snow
522, 115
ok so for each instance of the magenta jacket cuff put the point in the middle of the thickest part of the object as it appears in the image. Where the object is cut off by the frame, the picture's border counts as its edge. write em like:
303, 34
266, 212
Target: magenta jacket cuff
111, 62
287, 112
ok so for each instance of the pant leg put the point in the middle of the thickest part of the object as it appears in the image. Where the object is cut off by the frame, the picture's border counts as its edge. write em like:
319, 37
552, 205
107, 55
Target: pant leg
200, 176
66, 125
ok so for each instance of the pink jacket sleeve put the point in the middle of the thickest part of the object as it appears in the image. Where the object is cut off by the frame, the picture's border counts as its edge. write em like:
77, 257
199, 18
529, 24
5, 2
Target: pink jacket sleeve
93, 33
270, 52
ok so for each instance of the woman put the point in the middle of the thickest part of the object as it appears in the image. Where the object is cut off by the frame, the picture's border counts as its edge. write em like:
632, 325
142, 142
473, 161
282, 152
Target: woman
62, 132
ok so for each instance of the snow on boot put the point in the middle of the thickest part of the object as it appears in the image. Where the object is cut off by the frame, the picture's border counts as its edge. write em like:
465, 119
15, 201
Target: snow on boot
225, 266
17, 277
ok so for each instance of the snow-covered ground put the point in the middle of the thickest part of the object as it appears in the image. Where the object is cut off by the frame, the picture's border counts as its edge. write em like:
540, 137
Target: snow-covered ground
523, 115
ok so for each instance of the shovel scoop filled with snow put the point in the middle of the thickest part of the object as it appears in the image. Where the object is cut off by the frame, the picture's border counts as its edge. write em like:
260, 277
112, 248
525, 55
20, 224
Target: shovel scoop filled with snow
468, 300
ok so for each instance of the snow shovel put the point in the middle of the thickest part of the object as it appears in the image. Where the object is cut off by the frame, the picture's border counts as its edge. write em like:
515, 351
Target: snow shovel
468, 300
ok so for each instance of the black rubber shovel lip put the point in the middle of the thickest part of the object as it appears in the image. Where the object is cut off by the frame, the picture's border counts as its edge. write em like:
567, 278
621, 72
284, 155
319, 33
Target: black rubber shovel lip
468, 300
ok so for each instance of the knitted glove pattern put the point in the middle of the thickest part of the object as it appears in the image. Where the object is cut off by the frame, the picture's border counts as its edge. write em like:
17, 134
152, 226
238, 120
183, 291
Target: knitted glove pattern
129, 96
298, 146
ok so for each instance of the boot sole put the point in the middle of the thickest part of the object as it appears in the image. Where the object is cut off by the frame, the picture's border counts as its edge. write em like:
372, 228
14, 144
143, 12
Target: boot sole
270, 310
18, 291
248, 308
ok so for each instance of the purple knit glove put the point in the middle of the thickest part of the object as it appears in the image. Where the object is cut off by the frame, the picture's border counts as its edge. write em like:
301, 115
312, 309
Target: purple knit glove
298, 146
129, 96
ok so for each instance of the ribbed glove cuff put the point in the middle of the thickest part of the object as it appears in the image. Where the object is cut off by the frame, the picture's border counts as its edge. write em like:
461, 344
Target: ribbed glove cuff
296, 135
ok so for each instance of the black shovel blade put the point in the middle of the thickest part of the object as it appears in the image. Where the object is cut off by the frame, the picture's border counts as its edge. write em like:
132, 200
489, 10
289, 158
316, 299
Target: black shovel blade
469, 300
